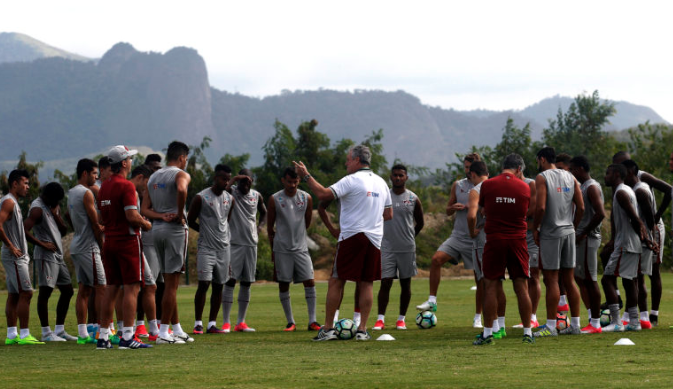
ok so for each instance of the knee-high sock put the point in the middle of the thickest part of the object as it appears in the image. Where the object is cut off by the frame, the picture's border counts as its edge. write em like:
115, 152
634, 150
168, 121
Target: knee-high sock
227, 302
287, 305
243, 302
311, 298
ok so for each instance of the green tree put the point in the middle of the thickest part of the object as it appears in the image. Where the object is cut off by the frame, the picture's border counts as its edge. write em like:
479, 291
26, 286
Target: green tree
199, 169
235, 162
515, 140
279, 152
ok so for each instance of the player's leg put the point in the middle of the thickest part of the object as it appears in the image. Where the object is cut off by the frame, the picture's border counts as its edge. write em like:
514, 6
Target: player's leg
550, 279
568, 276
23, 305
62, 307
642, 298
159, 297
524, 303
150, 309
366, 301
500, 310
248, 277
335, 290
490, 306
656, 291
107, 311
81, 305
311, 303
228, 302
11, 313
631, 292
168, 303
283, 266
215, 302
93, 311
129, 302
534, 292
438, 260
205, 263
563, 305
646, 269
43, 311
383, 298
286, 303
405, 299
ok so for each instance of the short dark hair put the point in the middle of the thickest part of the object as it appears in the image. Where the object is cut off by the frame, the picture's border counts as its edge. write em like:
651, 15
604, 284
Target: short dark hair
220, 167
548, 153
141, 169
16, 175
85, 165
563, 158
631, 165
619, 168
245, 172
104, 163
398, 166
289, 172
581, 161
53, 191
513, 162
472, 157
621, 154
479, 168
116, 167
152, 158
176, 150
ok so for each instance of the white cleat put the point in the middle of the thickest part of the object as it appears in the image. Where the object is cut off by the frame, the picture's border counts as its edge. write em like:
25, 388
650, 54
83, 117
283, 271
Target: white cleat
183, 336
67, 336
52, 337
169, 340
476, 323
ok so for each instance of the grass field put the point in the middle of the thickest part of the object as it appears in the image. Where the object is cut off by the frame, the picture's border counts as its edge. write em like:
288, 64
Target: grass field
439, 357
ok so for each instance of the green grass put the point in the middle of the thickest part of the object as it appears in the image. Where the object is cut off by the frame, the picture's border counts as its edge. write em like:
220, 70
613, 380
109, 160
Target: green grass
439, 357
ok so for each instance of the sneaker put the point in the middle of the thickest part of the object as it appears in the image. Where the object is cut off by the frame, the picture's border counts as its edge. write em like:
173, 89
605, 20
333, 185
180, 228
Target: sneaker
533, 324
10, 342
591, 330
242, 327
427, 306
169, 340
476, 323
379, 325
481, 340
314, 326
563, 308
141, 331
114, 339
324, 334
183, 336
152, 338
90, 328
646, 325
290, 327
67, 336
571, 330
102, 344
52, 337
631, 327
226, 327
30, 339
362, 335
401, 325
499, 334
527, 339
654, 320
198, 330
133, 343
215, 330
545, 331
625, 323
617, 327
86, 340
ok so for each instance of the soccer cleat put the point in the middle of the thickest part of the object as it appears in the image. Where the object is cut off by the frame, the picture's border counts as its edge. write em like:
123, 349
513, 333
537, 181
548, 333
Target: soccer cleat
613, 327
102, 344
401, 325
545, 331
533, 324
183, 336
379, 325
646, 325
631, 327
198, 330
290, 327
152, 338
527, 339
134, 343
114, 339
242, 327
30, 339
563, 308
90, 328
362, 335
86, 340
215, 330
324, 334
141, 331
625, 323
499, 334
52, 337
654, 319
571, 330
480, 340
170, 339
226, 327
427, 306
476, 323
314, 326
9, 342
67, 336
591, 330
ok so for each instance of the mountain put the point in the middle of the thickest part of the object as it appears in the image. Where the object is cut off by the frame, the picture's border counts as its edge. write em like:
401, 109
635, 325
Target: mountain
15, 47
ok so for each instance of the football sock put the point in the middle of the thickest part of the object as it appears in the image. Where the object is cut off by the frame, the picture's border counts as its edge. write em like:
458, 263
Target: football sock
198, 323
177, 329
140, 323
336, 316
46, 330
551, 324
634, 319
575, 321
527, 331
618, 294
614, 313
589, 313
432, 299
477, 316
596, 323
287, 306
381, 317
243, 302
11, 332
127, 333
625, 316
533, 317
212, 324
227, 302
655, 313
81, 331
496, 326
644, 316
23, 332
562, 300
104, 334
356, 317
311, 301
501, 321
154, 329
488, 332
401, 318
163, 330
58, 328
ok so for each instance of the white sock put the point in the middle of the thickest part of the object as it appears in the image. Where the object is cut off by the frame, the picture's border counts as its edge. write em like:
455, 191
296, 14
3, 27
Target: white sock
432, 299
154, 327
81, 331
104, 334
618, 292
12, 332
120, 325
488, 332
562, 300
501, 321
401, 318
477, 316
46, 330
596, 323
644, 316
496, 326
212, 324
589, 313
198, 323
177, 328
551, 324
59, 328
625, 316
127, 333
533, 317
23, 332
163, 330
382, 318
336, 316
655, 313
140, 323
527, 331
575, 321
356, 316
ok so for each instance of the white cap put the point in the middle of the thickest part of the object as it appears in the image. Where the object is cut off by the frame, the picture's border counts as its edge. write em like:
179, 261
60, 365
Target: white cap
120, 153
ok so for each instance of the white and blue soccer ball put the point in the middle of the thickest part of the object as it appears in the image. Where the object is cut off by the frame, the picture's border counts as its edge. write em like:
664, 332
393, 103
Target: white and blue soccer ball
605, 318
345, 329
426, 320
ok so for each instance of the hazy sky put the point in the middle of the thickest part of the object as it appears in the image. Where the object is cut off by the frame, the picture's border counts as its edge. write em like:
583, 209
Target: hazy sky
463, 55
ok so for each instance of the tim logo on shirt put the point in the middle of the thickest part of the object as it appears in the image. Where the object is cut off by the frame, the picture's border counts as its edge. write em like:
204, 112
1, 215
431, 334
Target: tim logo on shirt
562, 189
372, 194
505, 200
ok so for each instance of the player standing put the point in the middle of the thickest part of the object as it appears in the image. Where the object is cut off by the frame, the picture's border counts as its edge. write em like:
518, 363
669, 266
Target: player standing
290, 211
534, 291
398, 247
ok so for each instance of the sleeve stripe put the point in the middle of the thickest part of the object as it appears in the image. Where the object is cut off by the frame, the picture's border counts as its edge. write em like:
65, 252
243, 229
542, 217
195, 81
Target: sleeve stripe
336, 197
126, 208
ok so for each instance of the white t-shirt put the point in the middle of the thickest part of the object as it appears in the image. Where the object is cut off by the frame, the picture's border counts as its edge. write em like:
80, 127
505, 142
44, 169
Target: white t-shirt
363, 196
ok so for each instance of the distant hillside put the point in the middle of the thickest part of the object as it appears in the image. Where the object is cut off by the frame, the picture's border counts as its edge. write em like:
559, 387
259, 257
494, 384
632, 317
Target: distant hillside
15, 47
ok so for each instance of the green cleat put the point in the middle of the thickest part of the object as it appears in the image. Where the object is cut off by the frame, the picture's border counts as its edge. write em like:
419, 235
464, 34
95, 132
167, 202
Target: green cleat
501, 333
427, 306
481, 341
527, 339
30, 339
86, 340
114, 339
12, 341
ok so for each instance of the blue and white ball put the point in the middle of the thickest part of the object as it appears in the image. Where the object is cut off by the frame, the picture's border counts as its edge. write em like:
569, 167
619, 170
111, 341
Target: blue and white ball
426, 320
345, 329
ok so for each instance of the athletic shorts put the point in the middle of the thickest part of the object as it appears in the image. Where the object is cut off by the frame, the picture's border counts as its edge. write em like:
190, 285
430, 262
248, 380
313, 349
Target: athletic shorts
510, 254
458, 249
587, 258
661, 241
170, 243
153, 262
52, 273
243, 263
123, 261
646, 260
288, 267
89, 268
357, 259
478, 258
213, 265
557, 253
17, 273
398, 265
148, 275
533, 252
623, 264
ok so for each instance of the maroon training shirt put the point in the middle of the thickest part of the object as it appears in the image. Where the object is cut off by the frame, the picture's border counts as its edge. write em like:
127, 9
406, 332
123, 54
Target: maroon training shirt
116, 195
505, 199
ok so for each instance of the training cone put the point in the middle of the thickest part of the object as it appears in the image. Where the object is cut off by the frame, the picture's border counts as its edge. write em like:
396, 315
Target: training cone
624, 342
385, 337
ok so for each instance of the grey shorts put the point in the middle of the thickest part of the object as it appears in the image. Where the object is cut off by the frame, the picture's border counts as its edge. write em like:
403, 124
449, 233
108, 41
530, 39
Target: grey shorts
623, 264
243, 263
52, 273
458, 249
148, 276
587, 259
557, 253
170, 243
89, 268
17, 273
533, 252
478, 257
152, 264
213, 265
646, 260
289, 267
398, 265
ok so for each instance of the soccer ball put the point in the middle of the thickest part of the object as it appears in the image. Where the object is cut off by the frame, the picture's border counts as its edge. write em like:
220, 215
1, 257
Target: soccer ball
561, 322
345, 329
426, 320
605, 318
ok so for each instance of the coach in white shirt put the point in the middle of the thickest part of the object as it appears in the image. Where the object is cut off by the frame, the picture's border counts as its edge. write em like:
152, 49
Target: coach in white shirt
365, 204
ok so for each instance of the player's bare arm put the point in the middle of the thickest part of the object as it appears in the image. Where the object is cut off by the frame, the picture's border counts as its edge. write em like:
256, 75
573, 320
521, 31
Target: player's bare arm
147, 210
308, 216
35, 217
261, 209
90, 208
182, 180
194, 211
540, 205
645, 203
636, 223
579, 204
317, 188
453, 204
322, 211
6, 214
661, 186
271, 220
387, 213
136, 220
472, 209
594, 196
530, 214
418, 217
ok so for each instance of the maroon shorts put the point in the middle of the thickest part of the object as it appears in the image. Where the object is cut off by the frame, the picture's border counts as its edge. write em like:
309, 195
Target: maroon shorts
123, 260
501, 254
357, 259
